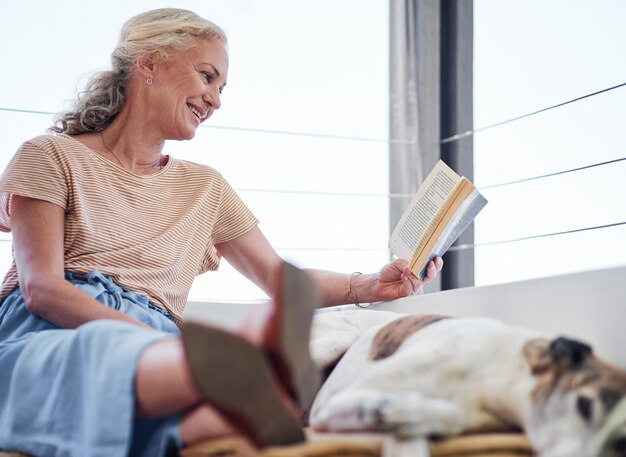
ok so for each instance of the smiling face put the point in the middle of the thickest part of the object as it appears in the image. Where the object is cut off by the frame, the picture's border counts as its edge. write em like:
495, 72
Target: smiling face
187, 89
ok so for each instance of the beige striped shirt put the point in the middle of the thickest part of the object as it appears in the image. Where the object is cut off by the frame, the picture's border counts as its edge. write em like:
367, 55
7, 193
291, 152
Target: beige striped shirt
153, 234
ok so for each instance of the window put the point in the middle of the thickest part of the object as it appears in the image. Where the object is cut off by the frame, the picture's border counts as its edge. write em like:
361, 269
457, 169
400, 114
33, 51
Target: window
531, 55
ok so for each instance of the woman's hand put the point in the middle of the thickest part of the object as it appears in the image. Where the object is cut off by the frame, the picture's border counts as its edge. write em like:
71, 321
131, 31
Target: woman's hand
396, 280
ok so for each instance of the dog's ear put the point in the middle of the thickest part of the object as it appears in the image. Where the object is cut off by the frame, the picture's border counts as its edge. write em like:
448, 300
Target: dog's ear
537, 353
568, 353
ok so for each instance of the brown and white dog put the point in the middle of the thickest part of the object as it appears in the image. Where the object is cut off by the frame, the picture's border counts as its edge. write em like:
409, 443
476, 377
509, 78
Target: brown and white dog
421, 375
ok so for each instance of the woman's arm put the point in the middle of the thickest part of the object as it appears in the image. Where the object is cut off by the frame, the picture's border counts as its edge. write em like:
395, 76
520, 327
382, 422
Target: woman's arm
253, 256
38, 233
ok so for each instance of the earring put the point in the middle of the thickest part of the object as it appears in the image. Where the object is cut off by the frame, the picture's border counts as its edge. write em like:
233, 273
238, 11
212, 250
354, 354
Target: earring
150, 80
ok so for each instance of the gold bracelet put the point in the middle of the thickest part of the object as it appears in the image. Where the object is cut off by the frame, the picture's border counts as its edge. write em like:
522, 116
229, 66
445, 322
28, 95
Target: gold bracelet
352, 293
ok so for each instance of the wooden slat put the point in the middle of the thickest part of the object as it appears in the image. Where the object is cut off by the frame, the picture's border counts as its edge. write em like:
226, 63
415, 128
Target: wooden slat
367, 445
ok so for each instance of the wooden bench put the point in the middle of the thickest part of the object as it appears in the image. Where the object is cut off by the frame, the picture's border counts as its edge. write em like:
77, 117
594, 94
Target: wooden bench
366, 445
373, 445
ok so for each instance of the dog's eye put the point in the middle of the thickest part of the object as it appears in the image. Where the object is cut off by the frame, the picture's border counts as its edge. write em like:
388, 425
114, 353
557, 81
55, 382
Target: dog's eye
584, 405
619, 446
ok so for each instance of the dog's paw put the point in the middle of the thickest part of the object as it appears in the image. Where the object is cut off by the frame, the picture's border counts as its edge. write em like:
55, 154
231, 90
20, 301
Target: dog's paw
351, 410
415, 414
408, 414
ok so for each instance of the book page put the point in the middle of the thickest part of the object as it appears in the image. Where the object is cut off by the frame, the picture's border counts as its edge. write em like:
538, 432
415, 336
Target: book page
418, 218
455, 199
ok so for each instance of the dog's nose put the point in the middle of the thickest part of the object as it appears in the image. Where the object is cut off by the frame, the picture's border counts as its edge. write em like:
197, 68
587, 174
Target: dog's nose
569, 353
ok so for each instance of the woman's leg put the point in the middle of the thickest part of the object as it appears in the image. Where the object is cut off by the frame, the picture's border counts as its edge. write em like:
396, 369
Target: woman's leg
164, 385
163, 381
204, 423
248, 377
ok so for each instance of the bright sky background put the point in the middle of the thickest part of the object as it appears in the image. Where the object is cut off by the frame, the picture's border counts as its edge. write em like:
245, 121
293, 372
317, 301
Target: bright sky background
529, 55
321, 67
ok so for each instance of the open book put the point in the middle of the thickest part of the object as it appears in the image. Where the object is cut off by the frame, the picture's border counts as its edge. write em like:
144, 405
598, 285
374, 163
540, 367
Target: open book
443, 207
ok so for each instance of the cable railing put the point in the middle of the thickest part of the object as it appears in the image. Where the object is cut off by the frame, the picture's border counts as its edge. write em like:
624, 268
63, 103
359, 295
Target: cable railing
404, 195
446, 140
459, 247
390, 196
256, 130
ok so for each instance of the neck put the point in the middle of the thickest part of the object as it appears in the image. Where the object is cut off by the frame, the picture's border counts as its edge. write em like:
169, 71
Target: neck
134, 152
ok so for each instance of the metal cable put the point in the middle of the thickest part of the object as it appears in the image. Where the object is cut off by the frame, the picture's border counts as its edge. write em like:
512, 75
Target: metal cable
405, 196
467, 133
255, 130
449, 139
390, 196
462, 247
556, 173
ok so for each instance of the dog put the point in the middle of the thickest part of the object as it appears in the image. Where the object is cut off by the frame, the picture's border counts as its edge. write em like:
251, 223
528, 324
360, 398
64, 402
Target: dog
425, 375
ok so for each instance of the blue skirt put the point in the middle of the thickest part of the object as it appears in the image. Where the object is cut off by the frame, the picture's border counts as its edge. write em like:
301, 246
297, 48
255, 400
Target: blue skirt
70, 392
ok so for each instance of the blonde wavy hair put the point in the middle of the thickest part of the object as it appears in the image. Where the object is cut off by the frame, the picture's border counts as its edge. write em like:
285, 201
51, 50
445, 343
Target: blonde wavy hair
160, 32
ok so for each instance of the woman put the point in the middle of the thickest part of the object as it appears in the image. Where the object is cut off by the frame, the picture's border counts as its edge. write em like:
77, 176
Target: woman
108, 235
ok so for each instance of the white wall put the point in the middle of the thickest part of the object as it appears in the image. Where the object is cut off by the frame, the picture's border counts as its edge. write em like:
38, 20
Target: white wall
589, 306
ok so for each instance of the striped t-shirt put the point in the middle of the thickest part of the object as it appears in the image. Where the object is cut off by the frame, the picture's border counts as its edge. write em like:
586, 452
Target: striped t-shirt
153, 234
